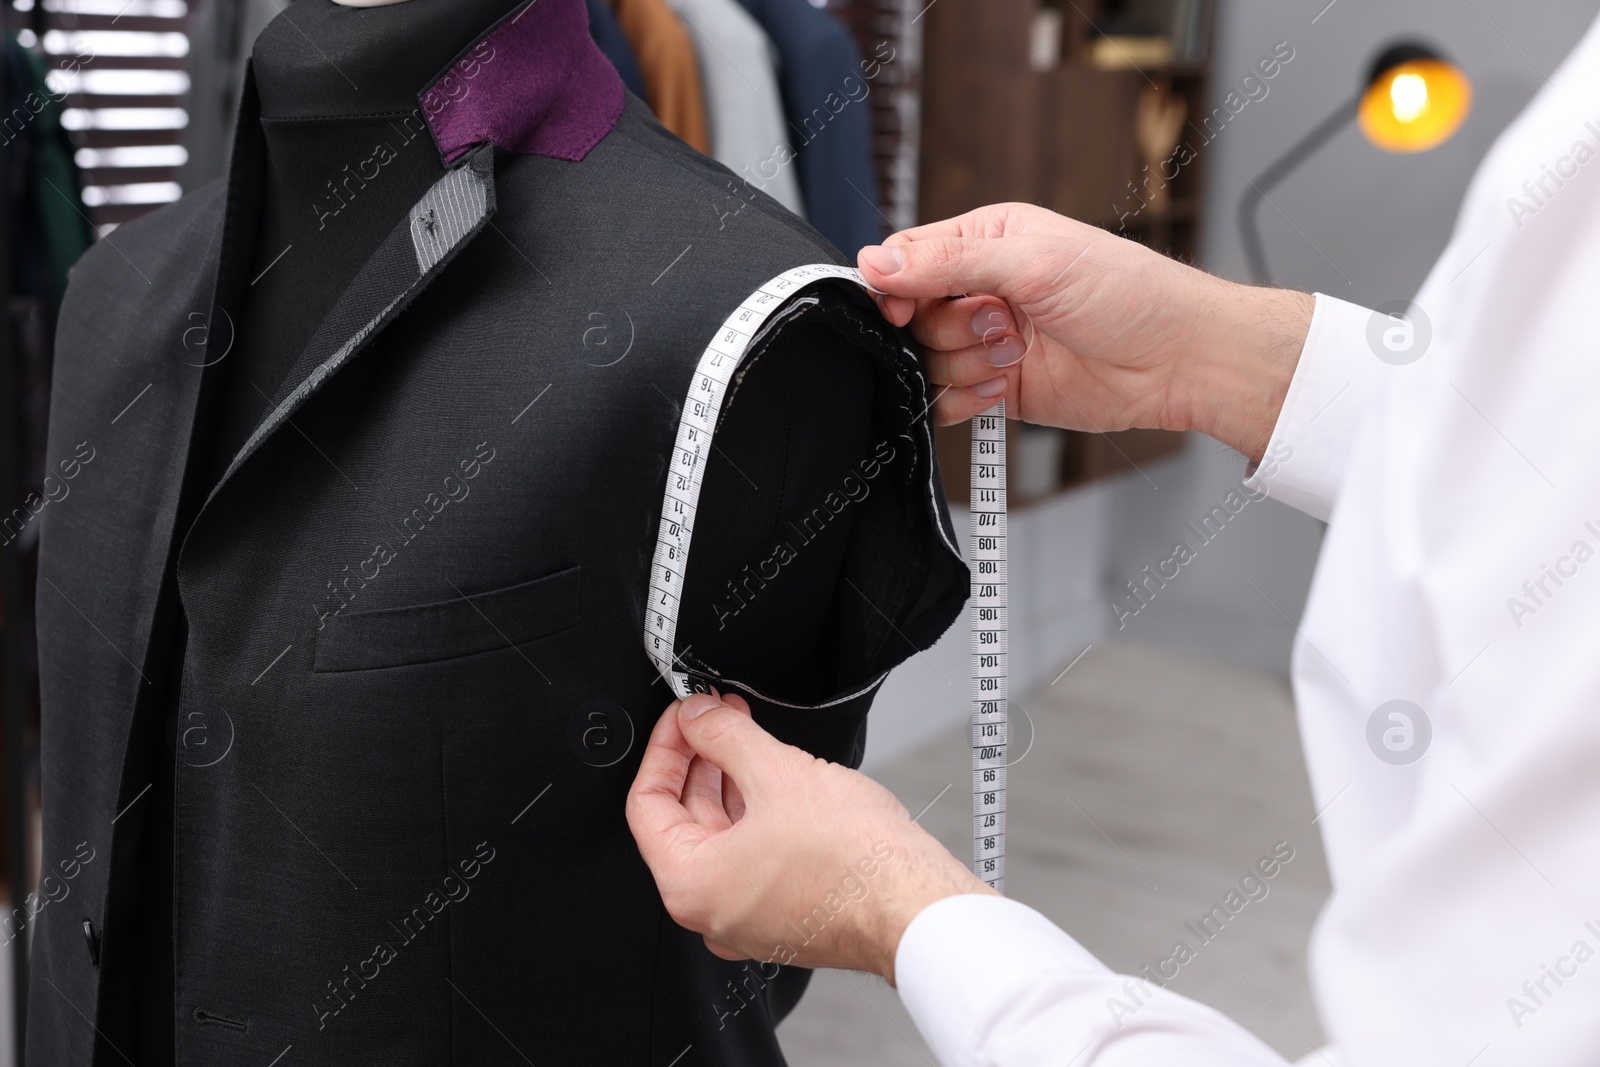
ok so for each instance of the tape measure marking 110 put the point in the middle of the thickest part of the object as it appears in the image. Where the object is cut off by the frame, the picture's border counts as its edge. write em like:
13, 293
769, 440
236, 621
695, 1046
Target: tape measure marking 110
697, 424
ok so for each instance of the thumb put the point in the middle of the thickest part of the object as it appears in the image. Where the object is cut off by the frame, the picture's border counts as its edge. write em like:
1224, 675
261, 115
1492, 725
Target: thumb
729, 738
954, 266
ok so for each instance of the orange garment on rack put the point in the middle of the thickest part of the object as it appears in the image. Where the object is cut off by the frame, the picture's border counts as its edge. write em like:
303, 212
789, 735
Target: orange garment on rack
667, 62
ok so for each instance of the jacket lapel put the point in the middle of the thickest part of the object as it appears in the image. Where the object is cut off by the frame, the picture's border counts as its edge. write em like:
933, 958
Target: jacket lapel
218, 286
416, 251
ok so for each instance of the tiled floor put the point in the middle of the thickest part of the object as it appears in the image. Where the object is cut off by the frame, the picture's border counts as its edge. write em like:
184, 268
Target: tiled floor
1180, 775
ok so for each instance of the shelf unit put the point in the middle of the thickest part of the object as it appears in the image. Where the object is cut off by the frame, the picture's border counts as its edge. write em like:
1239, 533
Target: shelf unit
1001, 122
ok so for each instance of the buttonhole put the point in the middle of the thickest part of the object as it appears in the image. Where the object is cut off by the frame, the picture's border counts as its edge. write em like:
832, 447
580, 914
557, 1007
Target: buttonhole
92, 939
206, 1018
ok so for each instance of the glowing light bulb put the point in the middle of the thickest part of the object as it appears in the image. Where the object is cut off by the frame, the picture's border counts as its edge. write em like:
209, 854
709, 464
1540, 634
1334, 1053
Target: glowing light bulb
1416, 105
1408, 95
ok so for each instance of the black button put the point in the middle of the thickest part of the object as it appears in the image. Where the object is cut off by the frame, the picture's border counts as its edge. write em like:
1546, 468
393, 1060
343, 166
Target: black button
92, 940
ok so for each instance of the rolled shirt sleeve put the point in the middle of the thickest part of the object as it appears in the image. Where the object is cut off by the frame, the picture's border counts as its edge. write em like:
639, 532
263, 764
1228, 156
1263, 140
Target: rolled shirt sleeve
992, 983
1328, 397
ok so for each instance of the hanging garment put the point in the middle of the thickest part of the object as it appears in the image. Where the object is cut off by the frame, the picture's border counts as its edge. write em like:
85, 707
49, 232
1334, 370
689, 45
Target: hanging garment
826, 86
743, 104
49, 229
609, 36
671, 75
403, 620
47, 232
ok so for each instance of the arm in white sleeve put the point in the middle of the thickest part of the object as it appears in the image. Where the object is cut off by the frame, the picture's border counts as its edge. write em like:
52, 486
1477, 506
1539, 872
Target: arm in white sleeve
992, 983
1328, 397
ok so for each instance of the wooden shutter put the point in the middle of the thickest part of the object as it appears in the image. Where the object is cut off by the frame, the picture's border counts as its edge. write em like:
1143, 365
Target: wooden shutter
121, 64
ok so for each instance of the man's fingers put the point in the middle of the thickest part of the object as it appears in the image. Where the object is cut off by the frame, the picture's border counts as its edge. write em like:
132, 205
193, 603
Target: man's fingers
698, 702
958, 370
947, 325
898, 310
674, 786
732, 799
993, 220
723, 952
979, 222
960, 404
702, 795
727, 736
953, 266
711, 797
655, 804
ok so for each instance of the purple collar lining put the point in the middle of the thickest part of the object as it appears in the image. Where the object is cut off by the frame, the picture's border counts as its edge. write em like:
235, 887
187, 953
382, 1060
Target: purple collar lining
534, 84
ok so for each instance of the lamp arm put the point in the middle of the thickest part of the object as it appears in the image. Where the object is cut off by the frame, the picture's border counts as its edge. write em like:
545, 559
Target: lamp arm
1250, 202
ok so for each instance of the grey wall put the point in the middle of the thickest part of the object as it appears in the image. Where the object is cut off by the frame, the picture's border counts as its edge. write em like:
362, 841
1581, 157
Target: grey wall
1373, 222
1362, 224
1237, 600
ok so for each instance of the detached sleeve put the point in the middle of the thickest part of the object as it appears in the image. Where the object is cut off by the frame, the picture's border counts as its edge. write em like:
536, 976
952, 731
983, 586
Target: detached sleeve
992, 983
1328, 397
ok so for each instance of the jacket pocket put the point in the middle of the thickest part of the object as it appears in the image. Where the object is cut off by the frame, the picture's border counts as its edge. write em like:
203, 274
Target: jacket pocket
426, 633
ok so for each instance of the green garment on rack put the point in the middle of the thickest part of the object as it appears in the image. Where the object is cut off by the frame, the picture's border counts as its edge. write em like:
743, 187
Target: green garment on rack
53, 182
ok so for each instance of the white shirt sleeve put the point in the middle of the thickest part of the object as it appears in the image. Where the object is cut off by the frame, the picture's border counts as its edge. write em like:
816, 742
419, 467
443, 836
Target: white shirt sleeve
1328, 397
1446, 678
992, 983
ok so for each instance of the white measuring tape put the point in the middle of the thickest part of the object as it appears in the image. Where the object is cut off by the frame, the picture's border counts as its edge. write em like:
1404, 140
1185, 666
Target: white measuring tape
691, 450
987, 609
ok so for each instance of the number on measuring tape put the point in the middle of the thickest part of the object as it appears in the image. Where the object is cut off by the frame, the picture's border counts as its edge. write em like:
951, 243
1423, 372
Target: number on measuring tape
989, 669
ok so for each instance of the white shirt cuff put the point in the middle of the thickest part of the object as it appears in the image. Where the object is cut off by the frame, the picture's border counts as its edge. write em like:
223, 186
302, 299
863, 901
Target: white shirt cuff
992, 983
963, 958
1328, 398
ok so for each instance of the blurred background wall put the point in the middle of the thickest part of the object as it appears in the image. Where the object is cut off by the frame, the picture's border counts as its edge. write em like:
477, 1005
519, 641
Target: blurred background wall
1370, 225
1362, 224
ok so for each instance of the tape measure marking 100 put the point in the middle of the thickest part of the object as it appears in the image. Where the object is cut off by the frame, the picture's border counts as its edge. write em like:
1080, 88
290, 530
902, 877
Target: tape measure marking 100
697, 424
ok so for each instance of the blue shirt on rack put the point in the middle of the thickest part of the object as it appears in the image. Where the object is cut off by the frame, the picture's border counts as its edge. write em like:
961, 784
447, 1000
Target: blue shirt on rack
825, 103
608, 35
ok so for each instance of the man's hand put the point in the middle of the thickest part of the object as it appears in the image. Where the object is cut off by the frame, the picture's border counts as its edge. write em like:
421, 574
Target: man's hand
775, 855
1115, 335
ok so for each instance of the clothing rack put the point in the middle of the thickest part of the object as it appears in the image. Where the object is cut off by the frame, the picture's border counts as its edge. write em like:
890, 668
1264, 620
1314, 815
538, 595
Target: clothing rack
793, 97
15, 675
892, 27
44, 227
1075, 139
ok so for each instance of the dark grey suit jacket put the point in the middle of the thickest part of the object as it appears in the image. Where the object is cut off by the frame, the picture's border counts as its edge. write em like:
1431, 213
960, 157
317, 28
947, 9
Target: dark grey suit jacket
414, 690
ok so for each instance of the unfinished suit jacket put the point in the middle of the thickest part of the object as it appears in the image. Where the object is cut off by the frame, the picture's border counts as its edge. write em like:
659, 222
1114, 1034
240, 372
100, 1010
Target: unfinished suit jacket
414, 690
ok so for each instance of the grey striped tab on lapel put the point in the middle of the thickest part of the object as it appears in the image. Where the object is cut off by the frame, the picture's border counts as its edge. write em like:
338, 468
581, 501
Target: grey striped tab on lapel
446, 213
437, 227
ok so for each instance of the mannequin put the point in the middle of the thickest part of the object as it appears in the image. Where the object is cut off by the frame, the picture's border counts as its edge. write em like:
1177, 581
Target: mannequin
323, 212
347, 153
379, 557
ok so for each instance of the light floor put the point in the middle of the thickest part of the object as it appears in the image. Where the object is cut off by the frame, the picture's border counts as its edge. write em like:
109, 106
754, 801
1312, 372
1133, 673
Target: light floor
1183, 773
1180, 774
